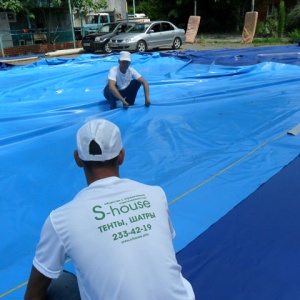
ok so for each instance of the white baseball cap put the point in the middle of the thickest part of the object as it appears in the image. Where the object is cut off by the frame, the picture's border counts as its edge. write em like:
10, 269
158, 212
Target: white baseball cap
125, 55
101, 135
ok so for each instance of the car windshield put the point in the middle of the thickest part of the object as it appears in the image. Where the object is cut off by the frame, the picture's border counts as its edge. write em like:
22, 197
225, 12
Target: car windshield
93, 19
107, 28
138, 28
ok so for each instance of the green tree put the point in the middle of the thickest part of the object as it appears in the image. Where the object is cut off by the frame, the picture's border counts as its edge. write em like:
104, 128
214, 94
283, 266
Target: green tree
293, 18
11, 5
85, 6
281, 19
155, 9
16, 6
216, 15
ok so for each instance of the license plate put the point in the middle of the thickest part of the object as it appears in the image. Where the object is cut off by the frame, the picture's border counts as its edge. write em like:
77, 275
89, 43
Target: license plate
114, 45
86, 44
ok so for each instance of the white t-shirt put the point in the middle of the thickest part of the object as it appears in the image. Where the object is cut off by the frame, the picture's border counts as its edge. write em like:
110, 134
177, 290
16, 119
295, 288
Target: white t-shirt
123, 80
119, 236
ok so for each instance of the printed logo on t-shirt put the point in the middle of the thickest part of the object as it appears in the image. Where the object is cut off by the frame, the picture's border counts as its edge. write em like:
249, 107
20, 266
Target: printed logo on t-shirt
132, 218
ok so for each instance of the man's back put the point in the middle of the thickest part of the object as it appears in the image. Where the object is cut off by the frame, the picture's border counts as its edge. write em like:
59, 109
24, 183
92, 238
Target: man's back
116, 231
119, 236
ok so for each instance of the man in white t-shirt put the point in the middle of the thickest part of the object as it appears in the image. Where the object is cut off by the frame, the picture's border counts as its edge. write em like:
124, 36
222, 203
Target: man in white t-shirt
124, 83
116, 231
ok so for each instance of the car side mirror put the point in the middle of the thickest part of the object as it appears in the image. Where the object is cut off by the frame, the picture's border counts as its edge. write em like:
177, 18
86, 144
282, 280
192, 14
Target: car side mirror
151, 31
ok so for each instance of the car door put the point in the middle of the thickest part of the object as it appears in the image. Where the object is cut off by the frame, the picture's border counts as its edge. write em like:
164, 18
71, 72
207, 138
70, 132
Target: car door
154, 38
167, 34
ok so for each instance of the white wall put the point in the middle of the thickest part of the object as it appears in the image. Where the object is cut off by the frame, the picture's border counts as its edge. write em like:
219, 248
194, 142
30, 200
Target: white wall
5, 30
118, 5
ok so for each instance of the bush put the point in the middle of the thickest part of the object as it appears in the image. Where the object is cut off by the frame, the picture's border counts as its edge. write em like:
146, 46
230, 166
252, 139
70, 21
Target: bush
269, 28
293, 18
294, 36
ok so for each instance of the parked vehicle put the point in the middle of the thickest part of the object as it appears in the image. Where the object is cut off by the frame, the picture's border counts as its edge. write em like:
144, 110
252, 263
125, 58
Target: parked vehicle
149, 35
94, 21
99, 40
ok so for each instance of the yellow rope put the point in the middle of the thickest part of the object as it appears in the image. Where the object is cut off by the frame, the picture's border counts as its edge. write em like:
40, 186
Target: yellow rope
21, 285
14, 289
225, 169
217, 174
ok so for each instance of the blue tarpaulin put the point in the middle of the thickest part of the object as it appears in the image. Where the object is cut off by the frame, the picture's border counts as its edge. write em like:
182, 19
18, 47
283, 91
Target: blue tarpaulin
253, 251
215, 132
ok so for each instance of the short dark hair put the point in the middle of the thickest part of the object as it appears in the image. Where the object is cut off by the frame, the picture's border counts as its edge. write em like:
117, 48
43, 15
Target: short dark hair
101, 164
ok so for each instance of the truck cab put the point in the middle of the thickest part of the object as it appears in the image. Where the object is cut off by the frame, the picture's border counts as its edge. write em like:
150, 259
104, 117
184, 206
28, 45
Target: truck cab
94, 21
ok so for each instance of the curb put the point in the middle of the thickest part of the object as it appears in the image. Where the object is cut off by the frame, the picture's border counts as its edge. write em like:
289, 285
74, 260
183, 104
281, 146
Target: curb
65, 52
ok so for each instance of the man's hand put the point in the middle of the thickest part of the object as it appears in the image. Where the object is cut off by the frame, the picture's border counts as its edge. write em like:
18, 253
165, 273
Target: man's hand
125, 105
147, 103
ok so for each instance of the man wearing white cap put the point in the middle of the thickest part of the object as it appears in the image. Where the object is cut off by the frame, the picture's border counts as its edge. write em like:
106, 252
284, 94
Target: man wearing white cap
116, 231
124, 83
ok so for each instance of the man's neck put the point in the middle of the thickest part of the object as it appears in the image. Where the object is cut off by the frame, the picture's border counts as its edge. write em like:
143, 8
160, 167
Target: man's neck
123, 70
98, 174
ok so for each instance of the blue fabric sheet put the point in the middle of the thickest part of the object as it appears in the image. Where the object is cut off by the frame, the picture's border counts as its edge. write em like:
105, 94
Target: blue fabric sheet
289, 54
253, 251
213, 134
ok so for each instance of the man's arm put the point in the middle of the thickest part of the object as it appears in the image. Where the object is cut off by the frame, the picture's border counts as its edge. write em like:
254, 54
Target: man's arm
146, 90
37, 286
113, 88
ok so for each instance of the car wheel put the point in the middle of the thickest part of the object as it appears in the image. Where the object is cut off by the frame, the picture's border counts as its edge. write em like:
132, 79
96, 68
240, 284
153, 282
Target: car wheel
141, 46
176, 43
107, 48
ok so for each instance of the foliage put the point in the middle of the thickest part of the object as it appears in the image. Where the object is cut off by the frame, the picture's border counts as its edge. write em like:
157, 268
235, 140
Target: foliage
256, 41
27, 5
293, 18
294, 36
85, 6
269, 41
29, 8
216, 15
16, 6
269, 28
11, 5
281, 18
154, 10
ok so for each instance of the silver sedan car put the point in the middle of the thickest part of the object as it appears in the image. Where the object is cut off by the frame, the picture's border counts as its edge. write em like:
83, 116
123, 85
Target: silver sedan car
150, 35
